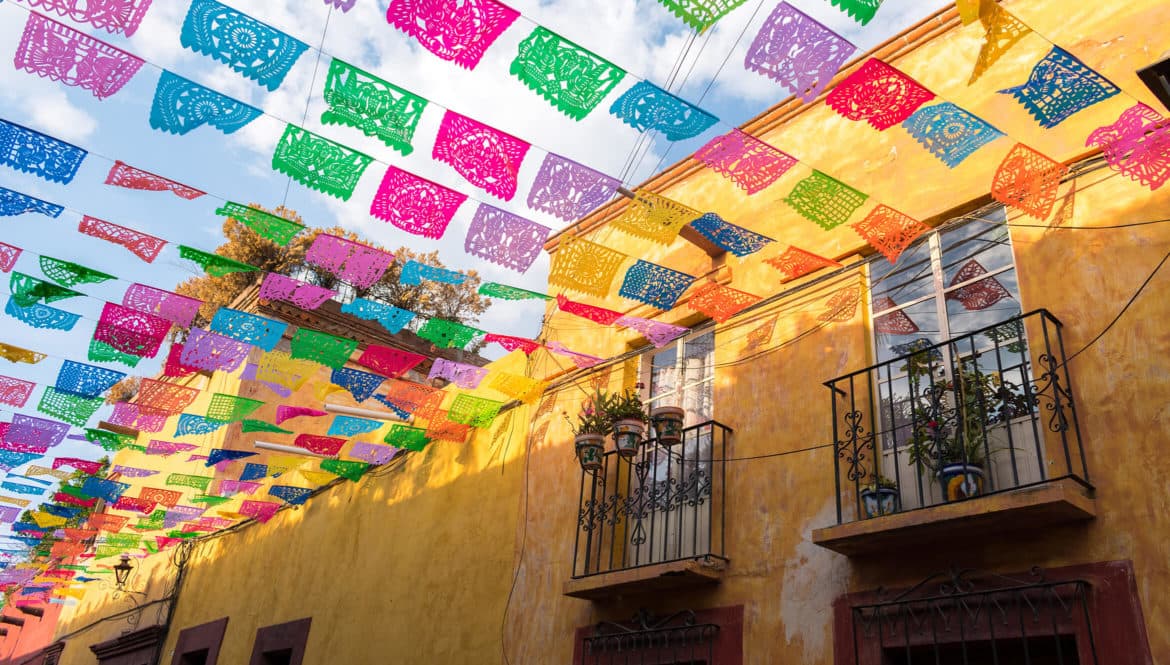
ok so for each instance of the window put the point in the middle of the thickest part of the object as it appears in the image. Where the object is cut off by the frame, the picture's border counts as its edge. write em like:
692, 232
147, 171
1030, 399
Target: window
948, 286
703, 637
282, 644
1077, 615
951, 284
682, 374
199, 645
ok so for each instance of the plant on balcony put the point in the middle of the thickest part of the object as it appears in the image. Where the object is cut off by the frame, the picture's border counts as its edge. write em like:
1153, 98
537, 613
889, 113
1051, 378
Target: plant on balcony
952, 417
880, 497
668, 423
628, 417
590, 430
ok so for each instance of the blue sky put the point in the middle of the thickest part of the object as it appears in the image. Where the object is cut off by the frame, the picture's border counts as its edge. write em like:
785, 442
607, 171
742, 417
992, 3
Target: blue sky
637, 35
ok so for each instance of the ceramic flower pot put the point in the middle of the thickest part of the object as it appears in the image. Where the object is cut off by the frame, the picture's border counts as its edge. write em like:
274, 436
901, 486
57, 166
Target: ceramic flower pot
589, 450
668, 424
880, 501
627, 436
961, 480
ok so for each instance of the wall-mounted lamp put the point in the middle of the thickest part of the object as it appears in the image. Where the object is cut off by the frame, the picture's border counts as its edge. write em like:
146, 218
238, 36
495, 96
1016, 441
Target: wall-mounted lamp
122, 570
366, 413
292, 450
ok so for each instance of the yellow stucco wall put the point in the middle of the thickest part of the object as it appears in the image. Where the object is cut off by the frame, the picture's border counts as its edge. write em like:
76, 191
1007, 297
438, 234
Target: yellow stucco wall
417, 565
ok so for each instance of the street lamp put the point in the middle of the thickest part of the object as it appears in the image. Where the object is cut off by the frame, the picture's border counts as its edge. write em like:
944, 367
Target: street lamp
122, 570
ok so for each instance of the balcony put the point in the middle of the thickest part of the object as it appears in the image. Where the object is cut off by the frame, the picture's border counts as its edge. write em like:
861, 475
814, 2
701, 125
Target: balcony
977, 434
653, 521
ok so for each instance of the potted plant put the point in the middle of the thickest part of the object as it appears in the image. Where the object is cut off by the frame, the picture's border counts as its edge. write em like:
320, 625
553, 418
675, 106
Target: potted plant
880, 497
953, 417
668, 423
628, 415
589, 432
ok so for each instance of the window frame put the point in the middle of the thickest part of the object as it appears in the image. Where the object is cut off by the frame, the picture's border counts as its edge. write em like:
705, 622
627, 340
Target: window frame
207, 636
678, 346
727, 648
292, 635
1118, 627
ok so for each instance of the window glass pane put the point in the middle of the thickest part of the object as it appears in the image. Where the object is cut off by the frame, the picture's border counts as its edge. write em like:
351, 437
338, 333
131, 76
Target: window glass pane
699, 358
902, 331
663, 372
975, 248
907, 280
983, 303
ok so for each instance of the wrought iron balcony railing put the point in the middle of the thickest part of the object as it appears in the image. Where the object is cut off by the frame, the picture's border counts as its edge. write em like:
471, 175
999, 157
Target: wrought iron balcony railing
985, 412
666, 503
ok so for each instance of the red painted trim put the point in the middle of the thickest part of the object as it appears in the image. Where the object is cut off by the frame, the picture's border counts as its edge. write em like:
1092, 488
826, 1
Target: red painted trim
292, 635
1118, 627
728, 647
207, 636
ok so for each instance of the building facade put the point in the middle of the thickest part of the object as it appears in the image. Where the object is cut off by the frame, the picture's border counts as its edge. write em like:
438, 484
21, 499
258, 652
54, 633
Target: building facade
955, 457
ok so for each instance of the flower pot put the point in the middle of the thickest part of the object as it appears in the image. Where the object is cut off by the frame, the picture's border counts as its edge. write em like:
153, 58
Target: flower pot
627, 436
668, 423
961, 480
880, 501
589, 450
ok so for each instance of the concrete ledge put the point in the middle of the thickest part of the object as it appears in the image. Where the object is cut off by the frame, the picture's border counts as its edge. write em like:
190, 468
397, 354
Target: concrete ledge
657, 577
1036, 507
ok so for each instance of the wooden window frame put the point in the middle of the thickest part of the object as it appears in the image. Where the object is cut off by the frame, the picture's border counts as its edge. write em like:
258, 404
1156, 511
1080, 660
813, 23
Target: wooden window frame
727, 648
207, 636
292, 635
1118, 628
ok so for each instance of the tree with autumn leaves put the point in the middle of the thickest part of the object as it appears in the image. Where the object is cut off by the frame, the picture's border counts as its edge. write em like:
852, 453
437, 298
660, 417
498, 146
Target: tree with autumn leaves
453, 302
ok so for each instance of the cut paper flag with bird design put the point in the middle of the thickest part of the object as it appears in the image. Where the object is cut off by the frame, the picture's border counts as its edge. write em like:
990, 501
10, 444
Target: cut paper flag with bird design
113, 16
861, 11
571, 78
254, 49
322, 348
1137, 145
484, 156
646, 107
214, 264
415, 205
1059, 86
700, 14
878, 94
14, 203
60, 53
584, 266
745, 160
301, 294
273, 227
654, 217
37, 154
1028, 180
448, 334
568, 190
392, 318
727, 236
378, 108
353, 262
457, 32
413, 273
889, 231
179, 310
950, 133
142, 245
505, 239
797, 52
824, 200
655, 285
318, 163
720, 302
181, 106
